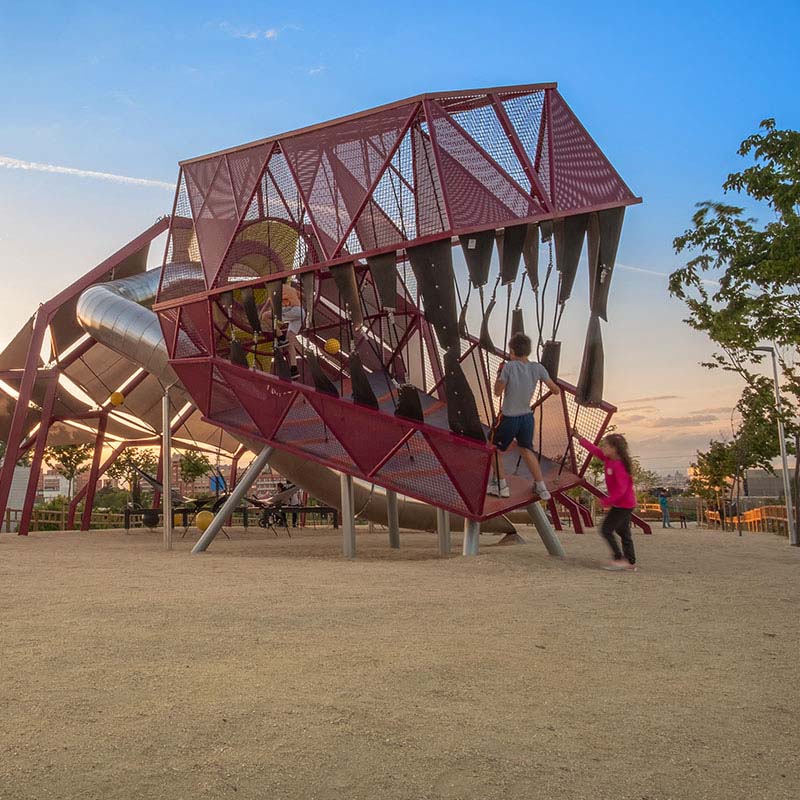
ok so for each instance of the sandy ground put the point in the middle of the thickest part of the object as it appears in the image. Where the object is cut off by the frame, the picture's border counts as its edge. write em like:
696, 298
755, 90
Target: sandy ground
273, 669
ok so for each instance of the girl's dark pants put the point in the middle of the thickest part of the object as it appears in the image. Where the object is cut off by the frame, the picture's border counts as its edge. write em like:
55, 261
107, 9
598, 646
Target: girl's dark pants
618, 520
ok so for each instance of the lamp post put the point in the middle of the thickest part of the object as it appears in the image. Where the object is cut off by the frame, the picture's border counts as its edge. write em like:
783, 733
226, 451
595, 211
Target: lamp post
787, 489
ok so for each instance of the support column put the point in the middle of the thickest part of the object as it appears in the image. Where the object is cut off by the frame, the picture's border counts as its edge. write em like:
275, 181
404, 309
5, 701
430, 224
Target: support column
545, 529
348, 518
94, 476
443, 531
235, 497
159, 478
393, 519
472, 533
82, 493
166, 483
16, 431
38, 456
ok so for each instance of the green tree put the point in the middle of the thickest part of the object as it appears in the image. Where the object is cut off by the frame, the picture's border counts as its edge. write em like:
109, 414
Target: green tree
128, 468
69, 461
194, 464
23, 461
742, 286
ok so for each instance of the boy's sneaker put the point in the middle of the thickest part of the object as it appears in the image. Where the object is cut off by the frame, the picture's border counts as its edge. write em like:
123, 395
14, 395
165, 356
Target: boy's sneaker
540, 488
498, 489
295, 372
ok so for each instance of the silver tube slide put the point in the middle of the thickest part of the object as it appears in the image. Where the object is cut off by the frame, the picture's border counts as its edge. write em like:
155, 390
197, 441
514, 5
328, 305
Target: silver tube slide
117, 314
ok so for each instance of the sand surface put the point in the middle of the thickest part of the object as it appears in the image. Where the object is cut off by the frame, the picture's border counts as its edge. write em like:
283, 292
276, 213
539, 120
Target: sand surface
273, 669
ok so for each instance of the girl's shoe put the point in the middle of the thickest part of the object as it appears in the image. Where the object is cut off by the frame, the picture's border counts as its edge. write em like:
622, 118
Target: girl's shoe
620, 565
540, 488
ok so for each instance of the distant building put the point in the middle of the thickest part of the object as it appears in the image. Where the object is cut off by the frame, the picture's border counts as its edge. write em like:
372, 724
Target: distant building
760, 483
16, 498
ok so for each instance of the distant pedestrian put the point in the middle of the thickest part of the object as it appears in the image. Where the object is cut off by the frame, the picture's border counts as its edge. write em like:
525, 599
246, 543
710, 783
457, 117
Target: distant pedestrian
663, 502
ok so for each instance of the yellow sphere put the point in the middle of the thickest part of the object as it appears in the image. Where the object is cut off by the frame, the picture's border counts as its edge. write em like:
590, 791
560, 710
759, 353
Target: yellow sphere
203, 520
117, 398
332, 346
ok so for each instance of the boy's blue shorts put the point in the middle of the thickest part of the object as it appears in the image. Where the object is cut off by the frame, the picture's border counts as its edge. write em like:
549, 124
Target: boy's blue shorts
510, 428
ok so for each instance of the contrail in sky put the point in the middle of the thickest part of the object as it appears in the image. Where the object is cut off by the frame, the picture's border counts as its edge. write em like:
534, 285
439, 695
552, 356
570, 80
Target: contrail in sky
16, 163
627, 268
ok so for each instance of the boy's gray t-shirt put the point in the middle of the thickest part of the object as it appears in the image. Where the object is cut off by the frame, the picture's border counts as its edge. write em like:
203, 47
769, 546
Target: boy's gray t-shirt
521, 379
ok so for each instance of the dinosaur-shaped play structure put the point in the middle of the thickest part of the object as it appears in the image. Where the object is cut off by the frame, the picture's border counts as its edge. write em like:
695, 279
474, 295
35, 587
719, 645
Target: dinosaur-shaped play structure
308, 301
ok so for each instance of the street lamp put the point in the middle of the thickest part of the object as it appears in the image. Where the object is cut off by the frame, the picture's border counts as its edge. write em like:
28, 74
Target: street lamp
787, 489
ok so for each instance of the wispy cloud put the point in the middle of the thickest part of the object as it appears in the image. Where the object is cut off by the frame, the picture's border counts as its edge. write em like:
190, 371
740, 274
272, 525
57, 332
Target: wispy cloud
253, 33
318, 70
664, 275
689, 421
34, 166
650, 399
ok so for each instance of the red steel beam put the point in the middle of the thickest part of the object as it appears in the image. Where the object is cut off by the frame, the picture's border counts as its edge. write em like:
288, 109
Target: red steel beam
38, 457
91, 486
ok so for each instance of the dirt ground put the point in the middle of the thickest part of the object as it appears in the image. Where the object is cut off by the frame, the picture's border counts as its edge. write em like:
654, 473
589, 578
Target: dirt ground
274, 669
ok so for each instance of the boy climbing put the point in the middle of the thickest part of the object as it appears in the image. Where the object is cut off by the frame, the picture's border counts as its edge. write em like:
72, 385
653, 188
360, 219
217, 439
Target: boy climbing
517, 380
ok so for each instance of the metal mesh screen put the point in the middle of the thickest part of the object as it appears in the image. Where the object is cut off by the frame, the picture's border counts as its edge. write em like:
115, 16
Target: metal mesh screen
483, 125
415, 466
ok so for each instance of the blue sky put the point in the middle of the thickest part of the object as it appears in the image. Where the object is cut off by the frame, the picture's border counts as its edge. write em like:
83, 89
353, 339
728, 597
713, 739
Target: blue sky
668, 91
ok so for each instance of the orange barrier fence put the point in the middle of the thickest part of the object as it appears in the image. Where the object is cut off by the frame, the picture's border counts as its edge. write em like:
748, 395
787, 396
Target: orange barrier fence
769, 519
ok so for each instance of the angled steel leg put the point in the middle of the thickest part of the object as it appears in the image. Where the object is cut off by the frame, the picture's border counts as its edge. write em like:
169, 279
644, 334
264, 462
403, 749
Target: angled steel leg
248, 479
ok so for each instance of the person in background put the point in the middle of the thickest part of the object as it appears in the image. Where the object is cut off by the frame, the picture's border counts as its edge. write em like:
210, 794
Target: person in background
663, 503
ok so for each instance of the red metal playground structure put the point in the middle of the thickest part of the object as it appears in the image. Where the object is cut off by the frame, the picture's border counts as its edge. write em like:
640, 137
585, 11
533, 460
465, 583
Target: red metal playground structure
359, 217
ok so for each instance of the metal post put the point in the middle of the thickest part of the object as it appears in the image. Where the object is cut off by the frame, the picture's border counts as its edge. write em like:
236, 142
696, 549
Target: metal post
348, 520
235, 497
472, 532
443, 531
393, 519
787, 488
545, 529
166, 483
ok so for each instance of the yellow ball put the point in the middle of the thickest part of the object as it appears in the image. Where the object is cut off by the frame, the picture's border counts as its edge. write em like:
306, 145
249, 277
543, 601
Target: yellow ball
203, 520
333, 346
117, 398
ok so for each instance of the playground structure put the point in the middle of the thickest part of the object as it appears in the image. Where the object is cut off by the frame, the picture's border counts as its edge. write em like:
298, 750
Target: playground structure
360, 215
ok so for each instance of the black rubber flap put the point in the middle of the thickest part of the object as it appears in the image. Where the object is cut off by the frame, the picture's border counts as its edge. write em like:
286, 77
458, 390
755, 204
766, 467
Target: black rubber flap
605, 228
517, 321
250, 309
569, 233
383, 269
551, 357
409, 405
432, 265
344, 277
484, 339
509, 246
530, 254
307, 283
477, 249
362, 390
238, 354
462, 410
322, 383
589, 391
282, 369
275, 292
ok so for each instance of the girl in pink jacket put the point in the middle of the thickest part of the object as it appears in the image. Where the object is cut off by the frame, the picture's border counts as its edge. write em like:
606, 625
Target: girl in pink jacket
621, 500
